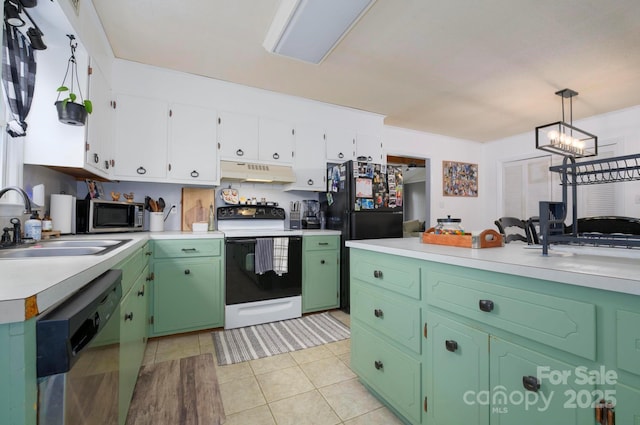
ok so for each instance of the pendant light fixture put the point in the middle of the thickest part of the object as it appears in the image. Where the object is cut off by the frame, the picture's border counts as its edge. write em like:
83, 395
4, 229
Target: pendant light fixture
565, 139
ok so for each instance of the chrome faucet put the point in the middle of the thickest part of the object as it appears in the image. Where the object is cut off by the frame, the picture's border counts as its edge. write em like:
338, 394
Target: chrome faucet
25, 197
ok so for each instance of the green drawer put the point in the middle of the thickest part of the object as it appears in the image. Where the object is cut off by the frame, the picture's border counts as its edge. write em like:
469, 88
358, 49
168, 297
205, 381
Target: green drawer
133, 266
320, 243
558, 322
391, 272
392, 315
187, 248
389, 371
628, 341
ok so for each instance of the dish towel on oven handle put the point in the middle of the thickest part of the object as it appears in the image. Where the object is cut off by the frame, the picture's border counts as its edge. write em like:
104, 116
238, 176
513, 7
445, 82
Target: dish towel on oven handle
280, 255
264, 255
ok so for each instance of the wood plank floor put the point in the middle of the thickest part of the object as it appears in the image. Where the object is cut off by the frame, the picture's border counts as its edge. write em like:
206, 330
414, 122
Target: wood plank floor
180, 392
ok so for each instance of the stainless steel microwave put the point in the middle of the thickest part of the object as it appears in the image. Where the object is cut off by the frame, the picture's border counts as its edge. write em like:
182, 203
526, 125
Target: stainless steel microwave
101, 216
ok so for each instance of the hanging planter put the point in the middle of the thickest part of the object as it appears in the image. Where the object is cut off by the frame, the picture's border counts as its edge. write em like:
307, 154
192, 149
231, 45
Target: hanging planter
69, 111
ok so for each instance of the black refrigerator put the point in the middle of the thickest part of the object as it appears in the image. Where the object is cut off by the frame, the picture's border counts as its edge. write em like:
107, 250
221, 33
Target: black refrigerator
364, 201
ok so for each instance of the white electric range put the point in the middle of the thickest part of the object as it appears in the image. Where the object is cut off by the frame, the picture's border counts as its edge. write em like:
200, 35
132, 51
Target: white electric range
255, 240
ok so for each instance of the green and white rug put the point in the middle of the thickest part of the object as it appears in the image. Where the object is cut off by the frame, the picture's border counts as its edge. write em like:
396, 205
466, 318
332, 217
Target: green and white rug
254, 342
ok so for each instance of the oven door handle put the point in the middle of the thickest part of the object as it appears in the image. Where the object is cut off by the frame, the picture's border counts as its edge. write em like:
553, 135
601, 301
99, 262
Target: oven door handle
241, 241
254, 240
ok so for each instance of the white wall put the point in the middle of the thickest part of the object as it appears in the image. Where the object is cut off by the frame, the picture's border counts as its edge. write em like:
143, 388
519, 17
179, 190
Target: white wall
404, 142
620, 127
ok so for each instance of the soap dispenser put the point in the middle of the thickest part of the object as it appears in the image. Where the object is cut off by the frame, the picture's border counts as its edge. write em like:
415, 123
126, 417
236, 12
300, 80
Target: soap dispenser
33, 227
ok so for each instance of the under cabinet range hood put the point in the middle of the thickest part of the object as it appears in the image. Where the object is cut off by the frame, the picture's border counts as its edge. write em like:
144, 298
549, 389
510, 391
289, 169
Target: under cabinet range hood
257, 173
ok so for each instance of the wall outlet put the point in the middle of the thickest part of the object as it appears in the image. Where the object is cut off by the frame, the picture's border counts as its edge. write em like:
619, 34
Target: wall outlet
174, 210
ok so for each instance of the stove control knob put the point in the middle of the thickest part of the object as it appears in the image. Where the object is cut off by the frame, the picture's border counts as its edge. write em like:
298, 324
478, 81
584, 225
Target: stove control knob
222, 212
274, 212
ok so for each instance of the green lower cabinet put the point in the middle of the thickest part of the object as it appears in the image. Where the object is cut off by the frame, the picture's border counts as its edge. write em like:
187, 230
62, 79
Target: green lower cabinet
456, 373
528, 388
389, 371
320, 281
627, 410
133, 338
187, 294
320, 273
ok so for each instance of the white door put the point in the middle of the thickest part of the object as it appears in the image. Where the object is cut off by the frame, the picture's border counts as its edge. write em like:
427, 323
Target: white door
238, 136
276, 139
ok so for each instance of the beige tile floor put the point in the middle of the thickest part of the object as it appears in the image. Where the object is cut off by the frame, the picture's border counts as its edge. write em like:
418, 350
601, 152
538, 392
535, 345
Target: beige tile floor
312, 386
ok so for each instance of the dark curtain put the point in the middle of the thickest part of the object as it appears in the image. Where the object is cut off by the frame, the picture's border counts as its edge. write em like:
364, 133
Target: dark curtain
18, 78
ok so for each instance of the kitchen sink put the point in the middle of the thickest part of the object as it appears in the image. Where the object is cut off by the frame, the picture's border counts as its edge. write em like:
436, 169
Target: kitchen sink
63, 248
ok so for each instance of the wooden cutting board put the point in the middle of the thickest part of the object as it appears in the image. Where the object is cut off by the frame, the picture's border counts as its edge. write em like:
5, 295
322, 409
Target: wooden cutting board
195, 206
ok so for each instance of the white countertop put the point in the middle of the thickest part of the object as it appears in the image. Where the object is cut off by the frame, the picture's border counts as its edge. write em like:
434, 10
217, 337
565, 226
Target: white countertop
52, 279
579, 267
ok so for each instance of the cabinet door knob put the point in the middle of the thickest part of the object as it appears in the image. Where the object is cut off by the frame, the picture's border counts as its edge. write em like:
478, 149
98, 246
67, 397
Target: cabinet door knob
187, 271
276, 156
378, 313
486, 305
310, 182
239, 152
321, 261
340, 155
530, 383
128, 316
377, 274
195, 174
378, 364
141, 170
369, 159
451, 345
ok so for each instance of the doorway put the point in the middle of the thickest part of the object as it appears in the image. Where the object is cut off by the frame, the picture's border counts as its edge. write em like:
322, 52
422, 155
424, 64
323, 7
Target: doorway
416, 196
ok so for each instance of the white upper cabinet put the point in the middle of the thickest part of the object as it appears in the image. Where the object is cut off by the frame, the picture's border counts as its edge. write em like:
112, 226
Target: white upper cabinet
369, 147
341, 144
99, 155
237, 136
310, 161
193, 154
141, 139
276, 140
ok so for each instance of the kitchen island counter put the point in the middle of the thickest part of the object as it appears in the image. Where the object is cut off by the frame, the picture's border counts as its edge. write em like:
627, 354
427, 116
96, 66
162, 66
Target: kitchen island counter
610, 273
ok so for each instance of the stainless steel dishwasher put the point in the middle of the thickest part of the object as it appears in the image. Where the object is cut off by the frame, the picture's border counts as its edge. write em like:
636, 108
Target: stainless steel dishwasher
77, 346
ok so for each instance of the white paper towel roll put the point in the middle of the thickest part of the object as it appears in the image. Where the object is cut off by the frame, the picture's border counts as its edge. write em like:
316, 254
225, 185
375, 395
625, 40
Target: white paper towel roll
63, 212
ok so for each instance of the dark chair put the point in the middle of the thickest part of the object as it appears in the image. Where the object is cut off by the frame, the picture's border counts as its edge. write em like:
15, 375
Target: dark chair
513, 229
533, 227
608, 225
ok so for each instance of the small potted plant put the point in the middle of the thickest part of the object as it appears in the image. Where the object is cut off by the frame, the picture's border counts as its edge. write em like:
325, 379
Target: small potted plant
69, 111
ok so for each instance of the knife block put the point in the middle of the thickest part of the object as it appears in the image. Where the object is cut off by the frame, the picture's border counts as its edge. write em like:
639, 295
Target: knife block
294, 220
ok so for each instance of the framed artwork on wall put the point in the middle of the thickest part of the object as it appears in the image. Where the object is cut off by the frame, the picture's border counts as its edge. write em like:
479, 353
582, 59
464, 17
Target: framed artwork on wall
459, 179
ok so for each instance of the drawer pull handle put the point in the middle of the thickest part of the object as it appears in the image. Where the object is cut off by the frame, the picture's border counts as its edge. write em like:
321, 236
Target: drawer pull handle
189, 250
378, 313
531, 383
377, 274
321, 261
378, 364
323, 243
187, 271
486, 305
451, 345
128, 316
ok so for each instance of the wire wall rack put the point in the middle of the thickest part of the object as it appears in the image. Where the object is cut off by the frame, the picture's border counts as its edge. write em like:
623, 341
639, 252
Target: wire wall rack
606, 170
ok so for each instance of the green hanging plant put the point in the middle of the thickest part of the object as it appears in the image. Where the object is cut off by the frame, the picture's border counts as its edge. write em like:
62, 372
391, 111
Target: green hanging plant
69, 111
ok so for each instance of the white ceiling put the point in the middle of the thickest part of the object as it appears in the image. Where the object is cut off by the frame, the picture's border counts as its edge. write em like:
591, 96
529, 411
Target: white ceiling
477, 70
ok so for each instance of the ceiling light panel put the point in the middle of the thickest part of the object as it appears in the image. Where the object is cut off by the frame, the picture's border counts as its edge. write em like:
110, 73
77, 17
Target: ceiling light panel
308, 30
